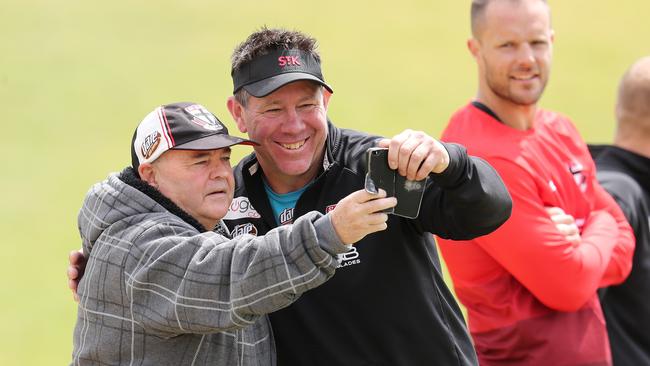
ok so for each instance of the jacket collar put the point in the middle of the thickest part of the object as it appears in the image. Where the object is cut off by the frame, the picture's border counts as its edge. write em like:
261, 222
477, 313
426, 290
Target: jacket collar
614, 157
128, 176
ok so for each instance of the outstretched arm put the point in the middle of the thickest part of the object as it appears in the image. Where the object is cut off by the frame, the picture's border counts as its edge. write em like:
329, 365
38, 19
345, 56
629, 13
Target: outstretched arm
177, 281
465, 197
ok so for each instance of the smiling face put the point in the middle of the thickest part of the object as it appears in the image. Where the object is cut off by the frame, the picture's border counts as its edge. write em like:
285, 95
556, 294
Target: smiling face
199, 182
291, 126
513, 49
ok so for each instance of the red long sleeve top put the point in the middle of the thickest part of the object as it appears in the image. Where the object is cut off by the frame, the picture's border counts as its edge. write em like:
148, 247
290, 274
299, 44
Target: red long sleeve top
531, 294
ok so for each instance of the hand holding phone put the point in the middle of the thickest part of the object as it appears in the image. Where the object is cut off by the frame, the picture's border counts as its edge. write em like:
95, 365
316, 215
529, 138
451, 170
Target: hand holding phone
379, 175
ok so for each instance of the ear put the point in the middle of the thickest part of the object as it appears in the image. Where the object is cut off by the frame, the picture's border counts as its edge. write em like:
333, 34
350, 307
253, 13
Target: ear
148, 174
552, 36
474, 47
236, 111
326, 98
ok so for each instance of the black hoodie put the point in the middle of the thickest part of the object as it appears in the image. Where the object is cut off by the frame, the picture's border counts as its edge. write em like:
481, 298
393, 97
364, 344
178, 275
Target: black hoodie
388, 303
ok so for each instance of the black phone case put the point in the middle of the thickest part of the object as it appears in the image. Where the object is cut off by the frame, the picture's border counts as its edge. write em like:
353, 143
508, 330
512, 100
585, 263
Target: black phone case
408, 193
381, 175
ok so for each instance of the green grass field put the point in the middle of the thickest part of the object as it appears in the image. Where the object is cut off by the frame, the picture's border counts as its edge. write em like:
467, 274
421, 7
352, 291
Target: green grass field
77, 76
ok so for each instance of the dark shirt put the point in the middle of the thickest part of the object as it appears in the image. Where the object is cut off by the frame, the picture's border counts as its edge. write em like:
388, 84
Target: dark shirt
626, 176
387, 304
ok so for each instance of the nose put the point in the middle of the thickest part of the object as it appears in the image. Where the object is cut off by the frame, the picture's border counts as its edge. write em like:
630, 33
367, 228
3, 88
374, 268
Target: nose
220, 169
292, 122
525, 55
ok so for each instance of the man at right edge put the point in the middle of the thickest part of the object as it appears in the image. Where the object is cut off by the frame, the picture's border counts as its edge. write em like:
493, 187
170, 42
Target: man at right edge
624, 171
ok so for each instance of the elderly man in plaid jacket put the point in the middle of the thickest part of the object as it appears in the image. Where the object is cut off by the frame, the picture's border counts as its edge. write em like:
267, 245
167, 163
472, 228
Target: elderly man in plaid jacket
164, 283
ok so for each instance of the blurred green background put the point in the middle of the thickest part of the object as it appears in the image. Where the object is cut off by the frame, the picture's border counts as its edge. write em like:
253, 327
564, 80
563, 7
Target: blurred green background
77, 76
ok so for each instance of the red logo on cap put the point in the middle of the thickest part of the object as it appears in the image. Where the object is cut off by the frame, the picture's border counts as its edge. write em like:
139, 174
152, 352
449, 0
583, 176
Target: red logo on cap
289, 61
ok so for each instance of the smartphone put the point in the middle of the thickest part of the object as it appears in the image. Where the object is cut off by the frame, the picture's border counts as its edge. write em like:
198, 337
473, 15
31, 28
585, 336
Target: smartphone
379, 174
409, 193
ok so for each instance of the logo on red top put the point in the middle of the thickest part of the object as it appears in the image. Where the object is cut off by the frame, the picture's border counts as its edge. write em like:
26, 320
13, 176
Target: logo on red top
578, 176
289, 61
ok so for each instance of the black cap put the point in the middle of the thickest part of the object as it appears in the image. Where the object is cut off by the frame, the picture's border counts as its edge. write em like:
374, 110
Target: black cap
179, 126
266, 73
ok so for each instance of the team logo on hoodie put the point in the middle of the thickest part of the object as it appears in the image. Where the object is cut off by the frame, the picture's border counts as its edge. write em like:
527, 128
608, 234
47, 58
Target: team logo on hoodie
286, 216
241, 208
348, 258
242, 229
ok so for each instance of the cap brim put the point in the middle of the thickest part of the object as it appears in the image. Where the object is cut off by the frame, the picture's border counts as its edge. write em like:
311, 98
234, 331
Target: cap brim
213, 142
267, 86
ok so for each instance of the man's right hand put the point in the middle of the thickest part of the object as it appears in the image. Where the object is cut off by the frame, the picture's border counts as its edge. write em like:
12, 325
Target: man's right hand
76, 267
565, 224
358, 215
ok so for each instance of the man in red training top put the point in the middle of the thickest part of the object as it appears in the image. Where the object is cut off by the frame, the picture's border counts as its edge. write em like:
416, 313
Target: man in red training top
530, 286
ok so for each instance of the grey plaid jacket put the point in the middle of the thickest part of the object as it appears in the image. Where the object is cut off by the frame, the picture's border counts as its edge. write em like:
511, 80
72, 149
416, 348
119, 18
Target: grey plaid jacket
159, 290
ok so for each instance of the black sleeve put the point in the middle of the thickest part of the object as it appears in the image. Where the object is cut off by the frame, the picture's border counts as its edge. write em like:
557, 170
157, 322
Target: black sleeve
467, 200
629, 196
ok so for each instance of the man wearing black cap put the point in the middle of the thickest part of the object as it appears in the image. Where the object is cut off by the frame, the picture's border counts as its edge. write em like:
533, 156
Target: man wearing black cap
388, 304
162, 288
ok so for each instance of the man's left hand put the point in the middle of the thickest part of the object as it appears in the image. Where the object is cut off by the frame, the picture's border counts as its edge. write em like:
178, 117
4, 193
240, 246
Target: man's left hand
415, 154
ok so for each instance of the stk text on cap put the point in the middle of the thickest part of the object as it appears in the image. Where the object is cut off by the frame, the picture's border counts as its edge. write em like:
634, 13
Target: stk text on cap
266, 73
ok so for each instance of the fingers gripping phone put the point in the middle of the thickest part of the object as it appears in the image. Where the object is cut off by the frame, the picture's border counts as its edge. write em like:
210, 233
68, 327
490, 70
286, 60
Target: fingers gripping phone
379, 175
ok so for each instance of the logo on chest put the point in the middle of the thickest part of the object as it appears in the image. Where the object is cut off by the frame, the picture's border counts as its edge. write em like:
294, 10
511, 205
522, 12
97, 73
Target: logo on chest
576, 169
242, 229
241, 208
286, 216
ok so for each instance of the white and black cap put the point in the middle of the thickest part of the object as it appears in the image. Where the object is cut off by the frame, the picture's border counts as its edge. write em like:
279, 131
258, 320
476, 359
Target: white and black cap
179, 126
